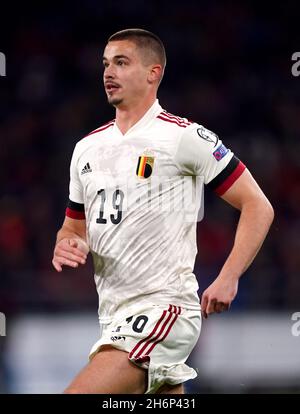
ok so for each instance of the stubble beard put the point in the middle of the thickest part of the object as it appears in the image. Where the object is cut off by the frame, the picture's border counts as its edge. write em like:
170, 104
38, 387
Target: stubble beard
115, 101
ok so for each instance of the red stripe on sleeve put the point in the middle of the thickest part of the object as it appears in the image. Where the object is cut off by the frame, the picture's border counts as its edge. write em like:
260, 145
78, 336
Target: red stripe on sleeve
230, 179
77, 215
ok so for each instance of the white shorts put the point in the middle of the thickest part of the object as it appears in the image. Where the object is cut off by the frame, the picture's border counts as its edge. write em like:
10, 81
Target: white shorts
159, 338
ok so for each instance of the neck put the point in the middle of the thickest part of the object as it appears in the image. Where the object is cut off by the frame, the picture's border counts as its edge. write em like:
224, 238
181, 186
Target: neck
126, 117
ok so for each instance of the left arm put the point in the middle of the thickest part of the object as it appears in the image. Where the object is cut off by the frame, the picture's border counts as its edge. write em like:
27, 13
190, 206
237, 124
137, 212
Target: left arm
255, 219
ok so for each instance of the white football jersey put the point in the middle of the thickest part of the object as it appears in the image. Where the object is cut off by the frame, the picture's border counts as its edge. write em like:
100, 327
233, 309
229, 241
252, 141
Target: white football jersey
140, 193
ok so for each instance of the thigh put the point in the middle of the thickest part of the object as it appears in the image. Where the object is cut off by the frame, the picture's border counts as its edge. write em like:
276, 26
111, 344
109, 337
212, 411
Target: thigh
109, 372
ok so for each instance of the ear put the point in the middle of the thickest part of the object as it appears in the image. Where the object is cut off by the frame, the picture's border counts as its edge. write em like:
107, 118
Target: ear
155, 73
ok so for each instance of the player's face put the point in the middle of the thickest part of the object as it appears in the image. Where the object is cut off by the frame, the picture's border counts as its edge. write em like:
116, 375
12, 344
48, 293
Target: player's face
125, 75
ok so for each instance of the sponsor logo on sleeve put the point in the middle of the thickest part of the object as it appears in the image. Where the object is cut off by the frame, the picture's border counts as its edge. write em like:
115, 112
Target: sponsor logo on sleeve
220, 152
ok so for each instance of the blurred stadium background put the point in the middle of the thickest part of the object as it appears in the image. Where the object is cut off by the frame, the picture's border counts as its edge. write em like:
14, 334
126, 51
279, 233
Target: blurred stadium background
229, 68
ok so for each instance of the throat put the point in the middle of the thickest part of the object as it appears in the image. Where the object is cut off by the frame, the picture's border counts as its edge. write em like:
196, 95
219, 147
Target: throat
124, 127
126, 121
126, 118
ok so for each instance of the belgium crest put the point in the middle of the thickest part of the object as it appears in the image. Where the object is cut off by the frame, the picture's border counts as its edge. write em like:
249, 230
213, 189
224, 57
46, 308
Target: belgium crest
145, 164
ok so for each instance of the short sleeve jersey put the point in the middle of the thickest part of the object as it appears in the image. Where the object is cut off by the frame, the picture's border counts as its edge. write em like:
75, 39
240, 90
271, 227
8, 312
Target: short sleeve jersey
136, 192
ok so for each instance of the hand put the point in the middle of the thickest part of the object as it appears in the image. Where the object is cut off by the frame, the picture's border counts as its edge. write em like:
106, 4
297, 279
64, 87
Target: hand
218, 296
69, 252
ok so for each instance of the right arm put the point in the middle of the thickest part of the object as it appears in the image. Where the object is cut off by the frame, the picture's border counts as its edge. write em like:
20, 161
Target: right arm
71, 248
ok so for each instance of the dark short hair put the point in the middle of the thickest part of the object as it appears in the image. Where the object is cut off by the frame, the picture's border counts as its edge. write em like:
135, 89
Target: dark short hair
144, 40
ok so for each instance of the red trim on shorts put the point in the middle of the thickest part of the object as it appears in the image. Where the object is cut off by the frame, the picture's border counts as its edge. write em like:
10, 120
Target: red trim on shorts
152, 333
165, 335
154, 338
140, 360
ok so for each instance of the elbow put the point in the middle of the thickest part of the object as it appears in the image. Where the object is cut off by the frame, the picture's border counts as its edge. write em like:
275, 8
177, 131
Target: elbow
268, 211
262, 208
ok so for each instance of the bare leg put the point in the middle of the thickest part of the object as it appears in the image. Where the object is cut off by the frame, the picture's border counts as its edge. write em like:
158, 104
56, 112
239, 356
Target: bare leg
171, 389
109, 372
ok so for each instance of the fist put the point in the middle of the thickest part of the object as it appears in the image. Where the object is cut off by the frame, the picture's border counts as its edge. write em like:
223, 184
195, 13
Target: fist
218, 296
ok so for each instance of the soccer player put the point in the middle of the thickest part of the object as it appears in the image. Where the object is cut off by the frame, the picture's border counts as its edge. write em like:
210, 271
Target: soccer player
127, 206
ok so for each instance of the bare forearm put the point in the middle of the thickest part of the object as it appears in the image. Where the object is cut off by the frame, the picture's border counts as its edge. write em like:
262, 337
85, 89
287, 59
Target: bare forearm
254, 223
255, 220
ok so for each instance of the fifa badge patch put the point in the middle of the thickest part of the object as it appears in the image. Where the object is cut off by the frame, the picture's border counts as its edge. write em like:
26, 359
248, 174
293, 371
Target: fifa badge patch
220, 152
145, 164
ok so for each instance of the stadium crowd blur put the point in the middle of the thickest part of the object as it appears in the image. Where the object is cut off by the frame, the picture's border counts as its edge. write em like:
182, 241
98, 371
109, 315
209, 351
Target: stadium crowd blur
229, 68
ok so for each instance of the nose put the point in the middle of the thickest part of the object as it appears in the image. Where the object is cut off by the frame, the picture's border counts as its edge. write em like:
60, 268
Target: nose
108, 72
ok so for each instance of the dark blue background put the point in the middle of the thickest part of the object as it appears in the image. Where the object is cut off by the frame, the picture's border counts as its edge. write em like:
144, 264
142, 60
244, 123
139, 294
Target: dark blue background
229, 68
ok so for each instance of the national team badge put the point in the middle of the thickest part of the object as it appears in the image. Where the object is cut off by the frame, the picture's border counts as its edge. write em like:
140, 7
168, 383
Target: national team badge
145, 165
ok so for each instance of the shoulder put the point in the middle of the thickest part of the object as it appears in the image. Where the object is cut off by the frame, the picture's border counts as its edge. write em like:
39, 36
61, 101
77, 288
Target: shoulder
188, 127
190, 131
90, 139
102, 130
202, 135
173, 121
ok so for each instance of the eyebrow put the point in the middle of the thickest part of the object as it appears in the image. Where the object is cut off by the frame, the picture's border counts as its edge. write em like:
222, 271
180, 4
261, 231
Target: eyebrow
117, 57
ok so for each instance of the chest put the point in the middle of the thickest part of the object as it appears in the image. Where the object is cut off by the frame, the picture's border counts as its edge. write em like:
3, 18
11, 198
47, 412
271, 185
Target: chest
138, 158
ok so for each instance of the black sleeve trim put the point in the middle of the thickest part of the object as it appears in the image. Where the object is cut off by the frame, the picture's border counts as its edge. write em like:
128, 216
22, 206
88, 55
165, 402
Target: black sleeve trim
75, 206
224, 174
